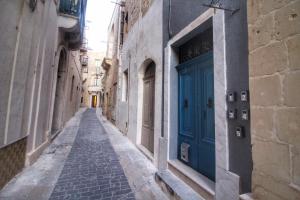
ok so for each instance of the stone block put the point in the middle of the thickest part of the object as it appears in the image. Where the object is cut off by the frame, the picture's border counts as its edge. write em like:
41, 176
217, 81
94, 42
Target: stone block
265, 91
287, 20
296, 165
262, 122
272, 159
260, 33
268, 187
260, 193
293, 46
253, 11
291, 86
133, 8
267, 6
288, 125
268, 60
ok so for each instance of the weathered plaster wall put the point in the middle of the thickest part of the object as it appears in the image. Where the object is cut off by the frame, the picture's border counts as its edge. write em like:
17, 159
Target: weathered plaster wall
72, 96
143, 44
274, 47
30, 43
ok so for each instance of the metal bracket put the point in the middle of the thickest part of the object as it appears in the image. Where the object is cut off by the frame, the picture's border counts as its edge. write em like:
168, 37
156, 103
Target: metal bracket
122, 4
218, 5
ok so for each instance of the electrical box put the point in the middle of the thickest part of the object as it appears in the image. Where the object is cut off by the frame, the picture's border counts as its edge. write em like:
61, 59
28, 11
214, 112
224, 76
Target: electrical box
245, 114
244, 96
184, 152
239, 132
231, 97
231, 114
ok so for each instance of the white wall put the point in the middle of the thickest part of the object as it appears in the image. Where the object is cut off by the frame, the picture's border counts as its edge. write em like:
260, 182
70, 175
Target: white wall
143, 44
29, 59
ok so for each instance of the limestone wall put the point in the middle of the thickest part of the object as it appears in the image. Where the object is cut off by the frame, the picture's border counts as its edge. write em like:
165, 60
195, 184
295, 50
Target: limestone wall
135, 8
274, 68
30, 48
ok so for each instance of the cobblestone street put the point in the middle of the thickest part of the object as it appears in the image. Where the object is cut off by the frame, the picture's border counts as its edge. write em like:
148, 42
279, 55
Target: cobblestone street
93, 168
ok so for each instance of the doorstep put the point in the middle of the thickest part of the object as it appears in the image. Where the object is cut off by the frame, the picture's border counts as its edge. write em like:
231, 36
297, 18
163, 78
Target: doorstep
145, 151
189, 178
174, 187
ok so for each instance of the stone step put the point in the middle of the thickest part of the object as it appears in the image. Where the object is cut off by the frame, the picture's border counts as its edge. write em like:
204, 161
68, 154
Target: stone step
174, 187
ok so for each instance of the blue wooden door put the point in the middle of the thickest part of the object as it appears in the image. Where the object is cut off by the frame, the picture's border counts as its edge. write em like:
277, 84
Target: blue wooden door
196, 114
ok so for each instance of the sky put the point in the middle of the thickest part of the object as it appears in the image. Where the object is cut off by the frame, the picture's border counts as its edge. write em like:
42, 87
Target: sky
98, 17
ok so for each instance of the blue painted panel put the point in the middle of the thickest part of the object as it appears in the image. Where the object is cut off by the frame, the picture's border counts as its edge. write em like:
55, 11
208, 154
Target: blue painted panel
196, 113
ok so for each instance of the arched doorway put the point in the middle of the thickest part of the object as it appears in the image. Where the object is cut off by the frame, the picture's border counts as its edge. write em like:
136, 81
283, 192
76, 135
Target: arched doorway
59, 94
147, 139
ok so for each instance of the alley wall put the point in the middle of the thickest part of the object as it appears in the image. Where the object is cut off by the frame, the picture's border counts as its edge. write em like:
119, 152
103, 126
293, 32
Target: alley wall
142, 45
30, 47
274, 49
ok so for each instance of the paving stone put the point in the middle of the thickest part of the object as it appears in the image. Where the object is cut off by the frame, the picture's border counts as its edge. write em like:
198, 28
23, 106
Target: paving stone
92, 169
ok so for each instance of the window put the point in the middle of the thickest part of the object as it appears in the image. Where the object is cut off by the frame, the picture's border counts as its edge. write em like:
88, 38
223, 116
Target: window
122, 28
85, 70
125, 86
97, 63
97, 70
97, 82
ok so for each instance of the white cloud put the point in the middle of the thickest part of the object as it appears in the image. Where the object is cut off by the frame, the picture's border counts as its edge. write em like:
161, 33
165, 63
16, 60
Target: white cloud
98, 17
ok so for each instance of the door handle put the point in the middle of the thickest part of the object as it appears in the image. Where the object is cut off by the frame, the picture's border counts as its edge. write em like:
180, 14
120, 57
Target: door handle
186, 103
210, 103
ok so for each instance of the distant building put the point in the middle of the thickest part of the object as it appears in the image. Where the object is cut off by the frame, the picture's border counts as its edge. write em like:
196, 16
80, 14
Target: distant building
111, 64
92, 75
40, 79
209, 91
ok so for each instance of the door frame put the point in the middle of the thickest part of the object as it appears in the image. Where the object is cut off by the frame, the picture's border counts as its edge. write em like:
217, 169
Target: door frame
146, 78
220, 89
140, 94
92, 102
201, 60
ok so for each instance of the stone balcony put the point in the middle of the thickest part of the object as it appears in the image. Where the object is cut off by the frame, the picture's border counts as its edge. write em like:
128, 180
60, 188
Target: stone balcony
71, 21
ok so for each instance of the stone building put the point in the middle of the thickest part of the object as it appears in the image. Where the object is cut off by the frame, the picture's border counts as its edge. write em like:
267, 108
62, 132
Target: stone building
40, 76
183, 94
111, 63
274, 71
92, 75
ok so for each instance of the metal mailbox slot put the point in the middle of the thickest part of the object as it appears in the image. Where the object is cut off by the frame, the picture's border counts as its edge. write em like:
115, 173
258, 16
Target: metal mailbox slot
239, 132
232, 114
244, 96
184, 152
231, 97
245, 114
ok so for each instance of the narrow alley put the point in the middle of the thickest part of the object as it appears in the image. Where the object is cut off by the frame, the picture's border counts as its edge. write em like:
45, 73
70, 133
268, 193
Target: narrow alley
88, 160
149, 99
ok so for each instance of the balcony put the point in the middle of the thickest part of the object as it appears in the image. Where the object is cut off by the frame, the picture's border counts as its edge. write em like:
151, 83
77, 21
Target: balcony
71, 21
84, 60
94, 88
106, 63
84, 46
